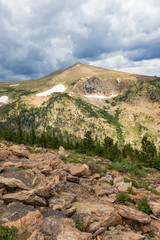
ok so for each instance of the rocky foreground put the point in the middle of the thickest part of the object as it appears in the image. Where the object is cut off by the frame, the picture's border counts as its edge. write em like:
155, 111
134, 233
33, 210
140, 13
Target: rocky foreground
46, 198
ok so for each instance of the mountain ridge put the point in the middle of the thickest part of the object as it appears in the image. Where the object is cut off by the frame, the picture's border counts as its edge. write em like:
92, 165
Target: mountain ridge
136, 97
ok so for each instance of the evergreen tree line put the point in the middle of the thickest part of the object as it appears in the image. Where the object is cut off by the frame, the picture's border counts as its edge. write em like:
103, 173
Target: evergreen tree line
148, 156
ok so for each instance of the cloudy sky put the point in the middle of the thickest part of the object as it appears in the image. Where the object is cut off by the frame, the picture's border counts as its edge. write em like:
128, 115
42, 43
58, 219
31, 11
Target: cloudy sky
40, 36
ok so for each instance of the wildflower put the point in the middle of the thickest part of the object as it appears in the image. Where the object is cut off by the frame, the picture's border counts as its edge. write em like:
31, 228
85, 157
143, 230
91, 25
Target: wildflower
92, 166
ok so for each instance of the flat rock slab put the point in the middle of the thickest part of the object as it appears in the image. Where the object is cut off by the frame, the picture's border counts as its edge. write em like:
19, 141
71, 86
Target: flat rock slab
126, 236
133, 214
13, 182
28, 223
155, 207
106, 215
28, 197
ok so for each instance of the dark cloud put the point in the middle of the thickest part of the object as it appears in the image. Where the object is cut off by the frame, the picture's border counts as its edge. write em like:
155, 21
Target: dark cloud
39, 37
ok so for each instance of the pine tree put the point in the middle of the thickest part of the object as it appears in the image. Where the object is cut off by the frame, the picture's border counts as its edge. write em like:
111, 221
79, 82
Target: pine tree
19, 131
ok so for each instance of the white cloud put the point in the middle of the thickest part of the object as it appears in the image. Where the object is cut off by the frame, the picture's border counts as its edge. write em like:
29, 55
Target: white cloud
119, 62
38, 37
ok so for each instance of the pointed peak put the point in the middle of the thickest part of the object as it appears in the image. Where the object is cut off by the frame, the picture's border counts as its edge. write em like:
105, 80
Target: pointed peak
77, 64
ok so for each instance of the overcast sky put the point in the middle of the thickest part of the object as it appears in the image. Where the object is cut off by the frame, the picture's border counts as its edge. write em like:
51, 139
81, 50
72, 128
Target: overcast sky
38, 37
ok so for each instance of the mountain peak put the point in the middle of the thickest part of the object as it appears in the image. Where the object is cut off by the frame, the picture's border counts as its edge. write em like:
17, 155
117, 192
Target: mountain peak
77, 64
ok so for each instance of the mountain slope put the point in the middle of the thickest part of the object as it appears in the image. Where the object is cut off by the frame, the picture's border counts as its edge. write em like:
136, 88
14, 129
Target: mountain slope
121, 105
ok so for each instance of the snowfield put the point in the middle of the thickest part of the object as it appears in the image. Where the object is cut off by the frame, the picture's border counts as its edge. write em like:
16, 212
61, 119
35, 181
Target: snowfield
57, 88
4, 99
14, 85
101, 96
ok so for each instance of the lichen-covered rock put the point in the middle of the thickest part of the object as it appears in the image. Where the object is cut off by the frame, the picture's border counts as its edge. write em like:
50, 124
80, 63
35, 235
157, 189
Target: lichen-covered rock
62, 229
155, 207
133, 214
13, 182
28, 197
28, 223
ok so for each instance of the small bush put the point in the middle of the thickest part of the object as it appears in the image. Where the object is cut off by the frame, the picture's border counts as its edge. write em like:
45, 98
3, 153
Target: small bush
19, 169
129, 166
123, 198
130, 191
63, 157
143, 206
78, 224
7, 233
11, 189
151, 234
127, 180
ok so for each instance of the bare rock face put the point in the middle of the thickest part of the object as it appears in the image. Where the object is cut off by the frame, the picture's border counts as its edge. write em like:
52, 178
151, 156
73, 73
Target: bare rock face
28, 223
28, 197
19, 151
13, 182
79, 170
133, 214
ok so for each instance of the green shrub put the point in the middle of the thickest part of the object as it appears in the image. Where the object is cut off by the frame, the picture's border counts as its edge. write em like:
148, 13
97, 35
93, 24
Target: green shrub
19, 169
11, 189
143, 206
129, 166
123, 198
78, 223
7, 233
63, 157
151, 234
130, 191
127, 180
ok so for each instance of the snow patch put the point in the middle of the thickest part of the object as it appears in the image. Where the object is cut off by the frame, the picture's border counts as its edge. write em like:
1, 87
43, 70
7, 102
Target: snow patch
57, 88
4, 99
101, 96
13, 85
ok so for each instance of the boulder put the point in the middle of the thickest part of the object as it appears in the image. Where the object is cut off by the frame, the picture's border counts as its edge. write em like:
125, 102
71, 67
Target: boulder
118, 180
123, 187
62, 201
44, 191
133, 214
28, 223
155, 207
62, 229
103, 189
19, 151
28, 197
106, 215
62, 152
3, 154
13, 182
73, 179
80, 171
130, 236
125, 236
